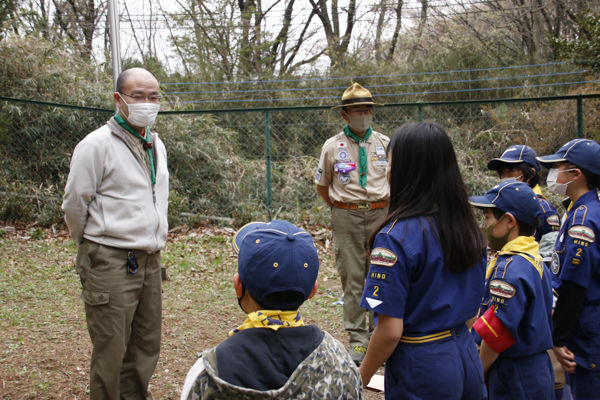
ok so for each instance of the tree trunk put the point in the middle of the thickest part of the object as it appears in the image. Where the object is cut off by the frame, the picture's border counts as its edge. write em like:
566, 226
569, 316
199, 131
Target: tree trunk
382, 11
422, 22
396, 30
337, 46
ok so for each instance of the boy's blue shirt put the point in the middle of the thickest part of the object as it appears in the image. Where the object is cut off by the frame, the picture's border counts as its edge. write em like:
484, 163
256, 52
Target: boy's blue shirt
576, 258
519, 288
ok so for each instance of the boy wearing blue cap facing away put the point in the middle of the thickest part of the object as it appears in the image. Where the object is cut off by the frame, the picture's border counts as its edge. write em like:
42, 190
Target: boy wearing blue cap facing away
516, 314
575, 172
273, 355
519, 163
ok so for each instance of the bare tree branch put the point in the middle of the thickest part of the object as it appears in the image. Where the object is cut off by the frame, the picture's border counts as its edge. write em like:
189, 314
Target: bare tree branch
422, 22
396, 30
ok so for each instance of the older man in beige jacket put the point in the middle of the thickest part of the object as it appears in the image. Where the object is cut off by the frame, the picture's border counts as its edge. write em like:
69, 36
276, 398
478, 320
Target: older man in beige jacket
115, 206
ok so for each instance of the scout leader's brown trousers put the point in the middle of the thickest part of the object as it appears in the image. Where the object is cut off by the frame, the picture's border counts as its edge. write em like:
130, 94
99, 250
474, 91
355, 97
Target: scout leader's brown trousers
123, 314
351, 232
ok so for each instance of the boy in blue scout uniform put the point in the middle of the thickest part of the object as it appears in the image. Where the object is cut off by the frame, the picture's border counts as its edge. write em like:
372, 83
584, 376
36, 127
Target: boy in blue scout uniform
519, 163
273, 355
575, 172
516, 313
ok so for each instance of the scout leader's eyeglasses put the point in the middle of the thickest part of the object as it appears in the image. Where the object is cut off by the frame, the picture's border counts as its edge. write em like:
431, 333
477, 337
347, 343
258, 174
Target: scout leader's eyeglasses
154, 98
360, 111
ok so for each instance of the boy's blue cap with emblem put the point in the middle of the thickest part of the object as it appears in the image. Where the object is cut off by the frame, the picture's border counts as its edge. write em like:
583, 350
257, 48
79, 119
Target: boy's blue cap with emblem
584, 153
276, 257
513, 197
514, 155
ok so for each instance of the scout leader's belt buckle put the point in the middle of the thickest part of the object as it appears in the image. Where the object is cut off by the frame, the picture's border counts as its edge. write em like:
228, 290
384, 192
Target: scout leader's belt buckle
363, 206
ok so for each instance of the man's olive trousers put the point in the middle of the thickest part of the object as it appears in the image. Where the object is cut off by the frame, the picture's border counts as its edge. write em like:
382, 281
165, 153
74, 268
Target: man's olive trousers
123, 314
351, 232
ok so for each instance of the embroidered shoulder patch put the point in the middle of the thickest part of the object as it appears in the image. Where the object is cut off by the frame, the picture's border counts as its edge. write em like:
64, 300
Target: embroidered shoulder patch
501, 289
583, 233
385, 257
555, 264
553, 220
318, 174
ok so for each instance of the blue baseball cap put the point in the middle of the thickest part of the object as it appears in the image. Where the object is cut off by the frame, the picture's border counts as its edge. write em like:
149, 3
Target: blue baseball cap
584, 153
516, 154
276, 257
514, 197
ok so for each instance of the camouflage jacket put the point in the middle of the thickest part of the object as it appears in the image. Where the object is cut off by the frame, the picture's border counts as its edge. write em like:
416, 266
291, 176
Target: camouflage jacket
327, 373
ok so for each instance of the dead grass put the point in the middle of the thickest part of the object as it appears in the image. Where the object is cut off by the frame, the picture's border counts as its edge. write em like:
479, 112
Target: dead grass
45, 348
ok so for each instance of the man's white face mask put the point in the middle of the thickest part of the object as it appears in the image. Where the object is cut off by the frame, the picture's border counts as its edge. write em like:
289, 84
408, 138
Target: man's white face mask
141, 114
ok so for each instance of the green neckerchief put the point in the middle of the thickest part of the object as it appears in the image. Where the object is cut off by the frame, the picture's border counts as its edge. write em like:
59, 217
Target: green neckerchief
146, 139
362, 153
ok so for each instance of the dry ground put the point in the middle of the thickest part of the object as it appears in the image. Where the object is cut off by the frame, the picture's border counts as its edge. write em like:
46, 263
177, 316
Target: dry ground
44, 345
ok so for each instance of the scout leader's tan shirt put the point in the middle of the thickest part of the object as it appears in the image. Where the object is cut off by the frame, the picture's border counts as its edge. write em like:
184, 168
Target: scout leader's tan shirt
346, 188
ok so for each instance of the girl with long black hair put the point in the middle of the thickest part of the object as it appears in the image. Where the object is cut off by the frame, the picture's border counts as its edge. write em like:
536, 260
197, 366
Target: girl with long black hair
427, 274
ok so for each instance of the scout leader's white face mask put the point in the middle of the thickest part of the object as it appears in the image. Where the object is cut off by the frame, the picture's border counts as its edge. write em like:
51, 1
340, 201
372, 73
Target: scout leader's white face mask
141, 114
360, 123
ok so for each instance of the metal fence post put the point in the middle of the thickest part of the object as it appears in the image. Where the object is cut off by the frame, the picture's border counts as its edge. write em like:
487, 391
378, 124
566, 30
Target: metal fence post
420, 113
580, 118
268, 160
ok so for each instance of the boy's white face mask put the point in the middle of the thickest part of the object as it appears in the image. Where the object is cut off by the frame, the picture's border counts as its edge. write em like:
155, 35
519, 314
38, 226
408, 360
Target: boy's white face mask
555, 187
141, 114
511, 178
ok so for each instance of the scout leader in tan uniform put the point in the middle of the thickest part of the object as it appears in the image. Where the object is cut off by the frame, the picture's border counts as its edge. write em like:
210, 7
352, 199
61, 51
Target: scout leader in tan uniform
351, 178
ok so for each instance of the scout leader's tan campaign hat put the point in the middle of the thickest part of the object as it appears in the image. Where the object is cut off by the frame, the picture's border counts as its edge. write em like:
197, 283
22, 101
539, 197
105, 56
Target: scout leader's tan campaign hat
356, 95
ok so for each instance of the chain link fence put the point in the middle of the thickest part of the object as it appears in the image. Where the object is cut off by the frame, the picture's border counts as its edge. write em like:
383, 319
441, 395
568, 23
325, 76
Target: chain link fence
235, 166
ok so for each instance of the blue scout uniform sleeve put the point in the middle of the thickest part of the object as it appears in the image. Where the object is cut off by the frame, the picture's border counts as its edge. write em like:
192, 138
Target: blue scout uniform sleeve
550, 219
581, 253
387, 285
508, 295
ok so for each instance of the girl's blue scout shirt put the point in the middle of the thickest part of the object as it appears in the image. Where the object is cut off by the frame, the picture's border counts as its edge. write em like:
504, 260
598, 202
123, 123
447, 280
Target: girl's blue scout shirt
518, 293
406, 280
576, 258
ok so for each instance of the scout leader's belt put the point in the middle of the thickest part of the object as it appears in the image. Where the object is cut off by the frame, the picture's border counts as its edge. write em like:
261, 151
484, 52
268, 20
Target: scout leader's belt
362, 206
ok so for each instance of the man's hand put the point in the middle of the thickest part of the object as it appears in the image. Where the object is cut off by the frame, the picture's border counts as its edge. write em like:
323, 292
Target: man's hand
324, 193
565, 358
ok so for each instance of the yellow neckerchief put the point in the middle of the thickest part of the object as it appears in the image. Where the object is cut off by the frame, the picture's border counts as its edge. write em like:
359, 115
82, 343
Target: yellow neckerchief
537, 190
272, 319
524, 246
